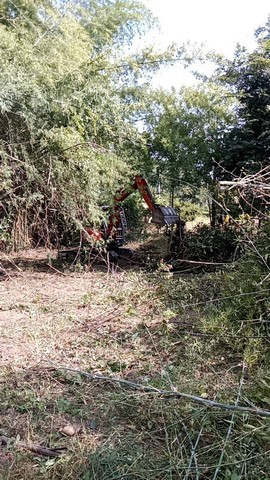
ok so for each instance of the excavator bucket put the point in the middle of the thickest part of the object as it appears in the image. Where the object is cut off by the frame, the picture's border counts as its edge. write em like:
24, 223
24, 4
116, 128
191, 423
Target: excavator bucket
165, 216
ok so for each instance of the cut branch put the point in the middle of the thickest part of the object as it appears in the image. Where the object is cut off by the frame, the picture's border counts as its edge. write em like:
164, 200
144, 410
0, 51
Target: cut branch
164, 393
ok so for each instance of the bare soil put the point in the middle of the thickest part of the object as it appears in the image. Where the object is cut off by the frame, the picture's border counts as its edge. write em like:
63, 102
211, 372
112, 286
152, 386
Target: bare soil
117, 321
45, 313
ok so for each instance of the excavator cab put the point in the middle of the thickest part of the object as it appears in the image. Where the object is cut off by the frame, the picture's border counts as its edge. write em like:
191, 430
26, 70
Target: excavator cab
120, 228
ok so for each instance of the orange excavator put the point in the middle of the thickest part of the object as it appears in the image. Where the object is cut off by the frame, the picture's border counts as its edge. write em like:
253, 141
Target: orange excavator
114, 232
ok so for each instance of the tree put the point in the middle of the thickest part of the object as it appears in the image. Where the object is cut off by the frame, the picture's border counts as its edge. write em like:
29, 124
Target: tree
246, 147
65, 134
184, 132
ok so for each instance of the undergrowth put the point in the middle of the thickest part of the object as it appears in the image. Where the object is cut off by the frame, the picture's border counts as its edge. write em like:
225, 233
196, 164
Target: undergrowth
206, 243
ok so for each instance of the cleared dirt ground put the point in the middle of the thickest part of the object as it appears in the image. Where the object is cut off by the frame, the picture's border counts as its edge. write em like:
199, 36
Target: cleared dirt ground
126, 322
47, 313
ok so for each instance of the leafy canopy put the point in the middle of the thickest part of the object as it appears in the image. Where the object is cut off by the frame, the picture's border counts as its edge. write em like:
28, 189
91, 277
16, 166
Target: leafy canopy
65, 136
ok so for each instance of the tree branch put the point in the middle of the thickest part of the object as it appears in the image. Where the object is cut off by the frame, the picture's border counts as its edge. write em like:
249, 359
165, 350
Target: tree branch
163, 393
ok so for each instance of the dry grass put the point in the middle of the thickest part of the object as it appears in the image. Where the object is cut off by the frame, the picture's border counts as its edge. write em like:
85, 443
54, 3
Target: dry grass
199, 220
122, 324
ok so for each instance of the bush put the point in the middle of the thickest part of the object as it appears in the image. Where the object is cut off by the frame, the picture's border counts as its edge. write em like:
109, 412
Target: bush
212, 244
239, 315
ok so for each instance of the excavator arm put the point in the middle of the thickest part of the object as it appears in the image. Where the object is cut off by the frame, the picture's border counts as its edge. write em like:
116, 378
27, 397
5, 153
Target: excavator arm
113, 232
139, 184
161, 216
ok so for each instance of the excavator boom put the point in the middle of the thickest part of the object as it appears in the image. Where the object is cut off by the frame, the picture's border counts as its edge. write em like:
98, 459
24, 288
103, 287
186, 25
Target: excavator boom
161, 216
113, 233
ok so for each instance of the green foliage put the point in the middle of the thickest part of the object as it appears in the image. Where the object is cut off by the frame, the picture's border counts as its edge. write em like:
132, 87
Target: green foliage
66, 139
189, 210
227, 310
71, 98
135, 212
199, 135
211, 244
239, 316
245, 147
184, 134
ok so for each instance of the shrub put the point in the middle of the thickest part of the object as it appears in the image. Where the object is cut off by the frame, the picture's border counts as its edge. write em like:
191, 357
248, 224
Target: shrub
206, 243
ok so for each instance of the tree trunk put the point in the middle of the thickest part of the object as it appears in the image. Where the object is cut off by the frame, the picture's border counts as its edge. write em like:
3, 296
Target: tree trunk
172, 196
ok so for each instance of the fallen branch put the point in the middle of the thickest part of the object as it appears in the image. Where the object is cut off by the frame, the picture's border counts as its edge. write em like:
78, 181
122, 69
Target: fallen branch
245, 184
12, 263
56, 270
38, 449
182, 260
43, 451
163, 393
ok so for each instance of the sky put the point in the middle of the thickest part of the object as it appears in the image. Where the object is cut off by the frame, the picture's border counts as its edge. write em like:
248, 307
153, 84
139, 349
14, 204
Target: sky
219, 24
